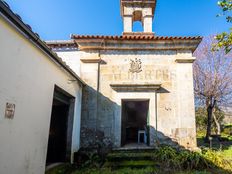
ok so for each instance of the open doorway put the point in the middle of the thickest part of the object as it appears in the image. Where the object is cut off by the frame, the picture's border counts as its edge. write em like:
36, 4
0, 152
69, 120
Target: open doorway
60, 133
134, 122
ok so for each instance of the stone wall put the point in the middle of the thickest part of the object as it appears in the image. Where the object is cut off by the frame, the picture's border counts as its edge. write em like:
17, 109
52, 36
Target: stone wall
175, 106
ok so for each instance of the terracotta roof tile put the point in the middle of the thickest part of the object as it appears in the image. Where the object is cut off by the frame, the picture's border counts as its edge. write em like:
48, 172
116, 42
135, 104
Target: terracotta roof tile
134, 37
60, 44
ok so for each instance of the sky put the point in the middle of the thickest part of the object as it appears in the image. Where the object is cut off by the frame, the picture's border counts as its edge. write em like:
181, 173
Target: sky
57, 19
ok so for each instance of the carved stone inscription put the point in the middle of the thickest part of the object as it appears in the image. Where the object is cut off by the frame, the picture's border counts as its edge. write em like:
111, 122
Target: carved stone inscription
135, 66
147, 74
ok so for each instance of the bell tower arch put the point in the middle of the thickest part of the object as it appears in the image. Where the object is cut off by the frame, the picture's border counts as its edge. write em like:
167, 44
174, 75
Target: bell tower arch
138, 10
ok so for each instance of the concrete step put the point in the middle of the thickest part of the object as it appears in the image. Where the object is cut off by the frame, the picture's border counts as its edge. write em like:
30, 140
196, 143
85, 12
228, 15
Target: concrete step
131, 159
130, 164
117, 156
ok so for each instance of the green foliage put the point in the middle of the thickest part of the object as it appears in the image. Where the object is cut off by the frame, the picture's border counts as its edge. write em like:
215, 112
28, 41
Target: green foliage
179, 159
163, 160
94, 151
194, 172
215, 158
225, 39
119, 171
61, 169
227, 154
201, 119
93, 160
187, 160
227, 130
226, 6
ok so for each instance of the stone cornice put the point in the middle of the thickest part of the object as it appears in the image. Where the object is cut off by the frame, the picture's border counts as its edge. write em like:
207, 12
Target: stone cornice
134, 34
148, 3
185, 60
136, 87
103, 44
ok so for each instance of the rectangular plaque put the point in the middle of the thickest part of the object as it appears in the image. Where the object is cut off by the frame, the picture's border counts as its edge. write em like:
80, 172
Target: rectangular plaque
10, 110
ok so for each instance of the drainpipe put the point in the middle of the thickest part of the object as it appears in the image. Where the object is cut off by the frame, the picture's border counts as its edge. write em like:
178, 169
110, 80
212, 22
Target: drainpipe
98, 81
98, 87
156, 118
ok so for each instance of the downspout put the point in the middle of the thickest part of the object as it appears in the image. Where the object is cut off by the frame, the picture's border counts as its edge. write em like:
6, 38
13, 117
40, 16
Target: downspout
156, 119
98, 81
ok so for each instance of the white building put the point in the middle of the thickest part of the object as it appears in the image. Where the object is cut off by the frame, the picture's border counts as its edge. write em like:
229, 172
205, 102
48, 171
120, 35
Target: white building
40, 101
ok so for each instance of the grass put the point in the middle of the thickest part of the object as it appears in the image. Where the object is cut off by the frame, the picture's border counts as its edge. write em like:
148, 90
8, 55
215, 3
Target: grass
119, 171
63, 169
67, 169
124, 161
227, 154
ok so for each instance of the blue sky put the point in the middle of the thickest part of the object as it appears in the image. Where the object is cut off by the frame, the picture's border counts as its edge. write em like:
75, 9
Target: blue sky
57, 19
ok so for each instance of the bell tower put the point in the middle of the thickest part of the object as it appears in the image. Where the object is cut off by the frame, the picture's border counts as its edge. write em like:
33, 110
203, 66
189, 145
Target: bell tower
138, 10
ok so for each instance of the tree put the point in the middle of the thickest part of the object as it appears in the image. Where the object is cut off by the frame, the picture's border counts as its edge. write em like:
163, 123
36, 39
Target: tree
218, 116
212, 79
225, 38
201, 120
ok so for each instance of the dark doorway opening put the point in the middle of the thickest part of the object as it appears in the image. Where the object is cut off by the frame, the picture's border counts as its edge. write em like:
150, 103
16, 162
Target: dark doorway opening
134, 122
60, 133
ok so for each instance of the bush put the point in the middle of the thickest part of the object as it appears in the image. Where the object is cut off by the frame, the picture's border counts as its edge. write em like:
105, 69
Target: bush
201, 119
227, 129
215, 159
179, 159
93, 152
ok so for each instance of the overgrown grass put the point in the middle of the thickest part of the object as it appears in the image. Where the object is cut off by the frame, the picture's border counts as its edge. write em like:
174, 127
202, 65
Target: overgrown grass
62, 169
165, 160
227, 154
169, 160
119, 171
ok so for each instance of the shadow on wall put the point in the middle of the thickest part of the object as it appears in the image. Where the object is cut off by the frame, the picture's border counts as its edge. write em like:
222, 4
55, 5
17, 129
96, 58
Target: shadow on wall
99, 135
97, 119
100, 123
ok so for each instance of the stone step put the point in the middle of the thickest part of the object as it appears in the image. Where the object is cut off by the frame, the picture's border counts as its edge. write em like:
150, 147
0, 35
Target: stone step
130, 164
134, 150
136, 156
131, 159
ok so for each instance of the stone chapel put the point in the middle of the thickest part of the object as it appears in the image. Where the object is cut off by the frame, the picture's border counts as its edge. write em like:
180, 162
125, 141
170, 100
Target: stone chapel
139, 85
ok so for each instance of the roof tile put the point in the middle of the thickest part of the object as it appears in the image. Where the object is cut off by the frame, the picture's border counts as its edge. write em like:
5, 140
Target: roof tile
134, 37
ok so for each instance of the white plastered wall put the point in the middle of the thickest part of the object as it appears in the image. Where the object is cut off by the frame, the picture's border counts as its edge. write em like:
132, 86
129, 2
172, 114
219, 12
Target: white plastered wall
27, 79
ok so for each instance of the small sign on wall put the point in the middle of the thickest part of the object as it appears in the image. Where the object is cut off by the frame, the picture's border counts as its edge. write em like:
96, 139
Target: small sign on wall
10, 111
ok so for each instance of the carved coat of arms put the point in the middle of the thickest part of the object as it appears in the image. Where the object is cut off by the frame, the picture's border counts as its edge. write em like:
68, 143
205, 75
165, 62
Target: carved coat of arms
135, 66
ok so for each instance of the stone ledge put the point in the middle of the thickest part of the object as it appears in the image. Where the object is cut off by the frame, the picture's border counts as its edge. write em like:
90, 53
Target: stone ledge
136, 87
91, 60
138, 33
189, 60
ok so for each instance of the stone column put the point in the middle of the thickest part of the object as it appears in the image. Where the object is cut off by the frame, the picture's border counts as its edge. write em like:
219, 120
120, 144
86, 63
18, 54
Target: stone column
147, 23
128, 21
186, 133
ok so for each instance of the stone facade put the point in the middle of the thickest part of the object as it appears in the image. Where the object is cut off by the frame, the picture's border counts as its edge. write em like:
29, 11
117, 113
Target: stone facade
136, 66
165, 79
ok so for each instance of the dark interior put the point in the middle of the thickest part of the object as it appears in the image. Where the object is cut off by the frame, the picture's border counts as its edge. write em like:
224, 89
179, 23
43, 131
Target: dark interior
58, 132
134, 118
